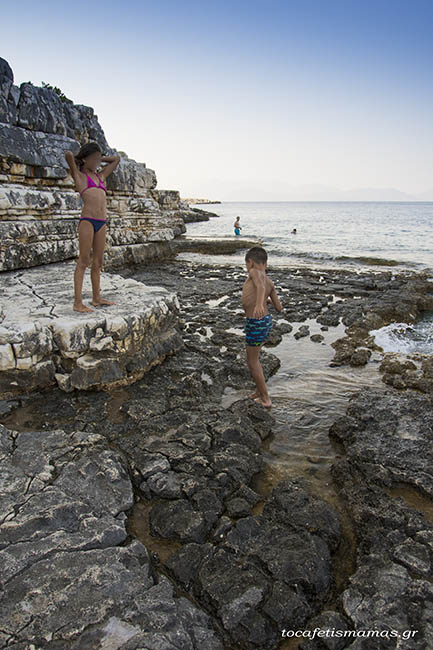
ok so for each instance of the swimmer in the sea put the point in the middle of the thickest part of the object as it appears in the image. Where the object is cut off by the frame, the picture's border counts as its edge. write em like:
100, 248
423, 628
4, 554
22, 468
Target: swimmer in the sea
237, 226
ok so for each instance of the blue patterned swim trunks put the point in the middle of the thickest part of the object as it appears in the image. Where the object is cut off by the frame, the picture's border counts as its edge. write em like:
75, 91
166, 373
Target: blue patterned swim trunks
257, 330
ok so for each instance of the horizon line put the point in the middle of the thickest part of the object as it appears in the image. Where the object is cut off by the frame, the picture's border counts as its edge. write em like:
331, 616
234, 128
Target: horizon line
302, 201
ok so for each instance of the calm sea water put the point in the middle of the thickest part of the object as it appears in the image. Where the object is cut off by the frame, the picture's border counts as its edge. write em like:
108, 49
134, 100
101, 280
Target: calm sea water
331, 234
357, 235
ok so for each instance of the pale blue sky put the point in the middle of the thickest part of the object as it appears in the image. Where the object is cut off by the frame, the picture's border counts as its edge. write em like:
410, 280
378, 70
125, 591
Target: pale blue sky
244, 100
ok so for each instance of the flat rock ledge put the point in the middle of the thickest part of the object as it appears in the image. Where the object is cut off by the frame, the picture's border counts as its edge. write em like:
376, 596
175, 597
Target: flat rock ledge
43, 342
211, 245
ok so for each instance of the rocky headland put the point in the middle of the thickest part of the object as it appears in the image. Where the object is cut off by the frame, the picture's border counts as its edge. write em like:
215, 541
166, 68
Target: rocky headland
199, 201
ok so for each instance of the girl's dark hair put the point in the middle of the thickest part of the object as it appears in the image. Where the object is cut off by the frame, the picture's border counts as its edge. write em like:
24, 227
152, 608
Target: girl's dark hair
86, 150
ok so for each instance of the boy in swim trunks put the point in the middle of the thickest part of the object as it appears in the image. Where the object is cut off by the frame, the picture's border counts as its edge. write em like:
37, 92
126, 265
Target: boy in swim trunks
257, 291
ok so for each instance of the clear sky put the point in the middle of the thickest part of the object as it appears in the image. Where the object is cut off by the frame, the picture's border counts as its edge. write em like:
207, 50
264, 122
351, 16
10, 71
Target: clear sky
244, 100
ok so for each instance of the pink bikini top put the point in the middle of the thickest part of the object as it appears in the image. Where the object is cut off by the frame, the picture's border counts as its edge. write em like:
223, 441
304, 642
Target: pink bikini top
91, 183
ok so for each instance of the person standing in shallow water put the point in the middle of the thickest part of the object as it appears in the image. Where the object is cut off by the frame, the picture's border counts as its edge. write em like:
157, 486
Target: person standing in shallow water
92, 226
257, 292
237, 226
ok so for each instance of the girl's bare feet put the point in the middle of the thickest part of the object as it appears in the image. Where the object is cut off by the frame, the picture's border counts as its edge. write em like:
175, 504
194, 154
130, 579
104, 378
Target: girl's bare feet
82, 308
102, 301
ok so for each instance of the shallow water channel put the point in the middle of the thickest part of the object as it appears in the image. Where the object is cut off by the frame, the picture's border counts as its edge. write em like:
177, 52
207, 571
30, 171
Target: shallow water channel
308, 395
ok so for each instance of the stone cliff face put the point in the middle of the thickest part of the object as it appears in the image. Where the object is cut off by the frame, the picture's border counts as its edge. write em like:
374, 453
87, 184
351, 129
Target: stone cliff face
43, 342
39, 208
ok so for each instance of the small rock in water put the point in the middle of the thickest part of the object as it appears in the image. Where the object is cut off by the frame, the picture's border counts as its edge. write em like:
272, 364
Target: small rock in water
302, 331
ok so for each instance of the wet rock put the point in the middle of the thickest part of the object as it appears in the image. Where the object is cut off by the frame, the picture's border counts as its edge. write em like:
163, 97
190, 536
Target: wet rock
7, 406
402, 373
275, 337
259, 419
178, 520
247, 494
393, 365
344, 350
327, 623
70, 577
427, 367
292, 503
317, 338
414, 556
237, 507
302, 331
267, 571
151, 464
357, 334
329, 318
284, 328
165, 484
360, 357
381, 430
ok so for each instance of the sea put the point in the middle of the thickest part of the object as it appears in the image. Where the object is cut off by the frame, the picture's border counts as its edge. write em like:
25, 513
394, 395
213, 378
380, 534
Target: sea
330, 234
374, 236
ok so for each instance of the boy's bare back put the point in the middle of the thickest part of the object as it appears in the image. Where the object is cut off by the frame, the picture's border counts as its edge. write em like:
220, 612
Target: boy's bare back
249, 291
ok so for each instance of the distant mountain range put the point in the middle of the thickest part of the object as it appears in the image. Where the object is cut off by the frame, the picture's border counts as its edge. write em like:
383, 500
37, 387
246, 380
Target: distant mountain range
272, 190
324, 193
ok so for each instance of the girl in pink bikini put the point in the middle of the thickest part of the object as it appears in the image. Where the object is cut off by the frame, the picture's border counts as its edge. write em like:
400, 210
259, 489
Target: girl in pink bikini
91, 228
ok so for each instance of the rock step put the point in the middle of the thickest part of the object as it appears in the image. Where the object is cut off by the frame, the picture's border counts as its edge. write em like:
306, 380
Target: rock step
43, 342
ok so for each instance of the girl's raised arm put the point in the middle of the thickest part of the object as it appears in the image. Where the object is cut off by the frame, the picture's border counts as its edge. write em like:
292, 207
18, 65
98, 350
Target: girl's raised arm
112, 161
70, 159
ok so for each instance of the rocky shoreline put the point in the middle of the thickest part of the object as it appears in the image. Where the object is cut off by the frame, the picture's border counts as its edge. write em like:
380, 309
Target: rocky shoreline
132, 517
196, 214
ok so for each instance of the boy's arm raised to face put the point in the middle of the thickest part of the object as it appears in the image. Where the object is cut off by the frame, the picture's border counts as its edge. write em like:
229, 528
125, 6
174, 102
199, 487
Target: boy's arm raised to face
259, 283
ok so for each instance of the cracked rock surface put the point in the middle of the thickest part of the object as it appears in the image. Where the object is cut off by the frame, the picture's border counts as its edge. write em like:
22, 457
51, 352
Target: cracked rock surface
70, 577
43, 342
387, 479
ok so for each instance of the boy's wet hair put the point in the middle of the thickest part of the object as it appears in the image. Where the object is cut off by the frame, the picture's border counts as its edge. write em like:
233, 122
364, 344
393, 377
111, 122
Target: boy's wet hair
257, 254
86, 150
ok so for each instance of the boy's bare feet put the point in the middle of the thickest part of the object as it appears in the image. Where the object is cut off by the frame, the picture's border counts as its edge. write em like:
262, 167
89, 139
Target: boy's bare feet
102, 301
266, 403
82, 308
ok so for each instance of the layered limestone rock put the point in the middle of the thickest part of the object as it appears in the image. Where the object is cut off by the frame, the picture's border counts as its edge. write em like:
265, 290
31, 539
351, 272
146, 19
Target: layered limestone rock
39, 208
43, 342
